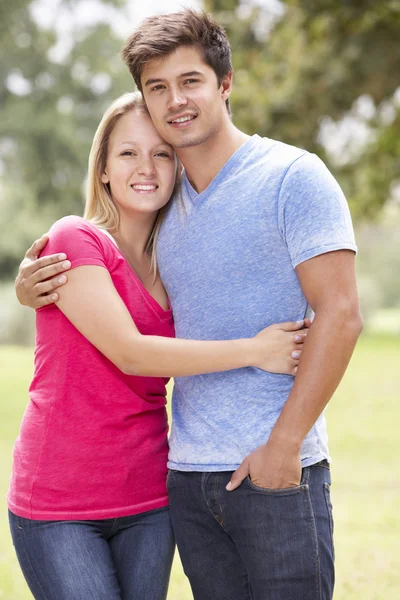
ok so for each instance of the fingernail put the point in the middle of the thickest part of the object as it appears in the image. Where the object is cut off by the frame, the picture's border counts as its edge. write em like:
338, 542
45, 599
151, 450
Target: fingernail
66, 264
301, 321
54, 297
296, 354
297, 338
62, 279
229, 486
62, 256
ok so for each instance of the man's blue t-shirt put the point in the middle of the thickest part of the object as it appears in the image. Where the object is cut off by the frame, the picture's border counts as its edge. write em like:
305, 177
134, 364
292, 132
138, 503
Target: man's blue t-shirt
227, 259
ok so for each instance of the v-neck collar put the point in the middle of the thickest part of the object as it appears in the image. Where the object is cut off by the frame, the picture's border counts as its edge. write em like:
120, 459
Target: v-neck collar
222, 173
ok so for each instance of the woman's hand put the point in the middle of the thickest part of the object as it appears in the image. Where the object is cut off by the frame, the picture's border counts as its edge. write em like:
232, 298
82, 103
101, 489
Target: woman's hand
280, 346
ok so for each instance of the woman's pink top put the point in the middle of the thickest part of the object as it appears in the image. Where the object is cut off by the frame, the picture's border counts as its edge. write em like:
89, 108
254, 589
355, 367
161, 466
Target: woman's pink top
93, 441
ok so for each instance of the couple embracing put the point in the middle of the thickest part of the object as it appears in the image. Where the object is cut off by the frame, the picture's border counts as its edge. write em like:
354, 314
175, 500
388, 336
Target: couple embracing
196, 230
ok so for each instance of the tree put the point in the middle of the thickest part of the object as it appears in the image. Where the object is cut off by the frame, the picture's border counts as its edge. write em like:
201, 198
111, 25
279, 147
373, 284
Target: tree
50, 111
301, 73
309, 66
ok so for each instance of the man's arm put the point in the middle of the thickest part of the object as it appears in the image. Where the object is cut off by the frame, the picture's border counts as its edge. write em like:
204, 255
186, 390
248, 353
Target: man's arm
38, 277
329, 284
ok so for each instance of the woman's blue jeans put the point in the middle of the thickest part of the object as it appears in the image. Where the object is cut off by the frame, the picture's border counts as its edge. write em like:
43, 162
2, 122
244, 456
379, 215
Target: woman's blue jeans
127, 558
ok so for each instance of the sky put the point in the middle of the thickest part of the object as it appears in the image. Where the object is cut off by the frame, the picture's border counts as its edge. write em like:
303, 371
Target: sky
85, 12
81, 13
49, 13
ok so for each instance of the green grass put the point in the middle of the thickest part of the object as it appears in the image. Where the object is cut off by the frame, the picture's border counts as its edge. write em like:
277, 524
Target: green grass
363, 422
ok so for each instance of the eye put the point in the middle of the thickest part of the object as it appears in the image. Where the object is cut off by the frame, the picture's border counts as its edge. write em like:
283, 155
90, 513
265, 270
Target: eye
156, 88
128, 153
189, 81
163, 154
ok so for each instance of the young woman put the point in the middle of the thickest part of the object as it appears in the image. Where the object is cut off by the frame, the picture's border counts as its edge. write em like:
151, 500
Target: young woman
88, 502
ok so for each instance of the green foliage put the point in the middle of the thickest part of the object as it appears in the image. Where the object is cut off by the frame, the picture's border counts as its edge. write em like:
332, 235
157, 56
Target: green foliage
313, 62
298, 73
50, 111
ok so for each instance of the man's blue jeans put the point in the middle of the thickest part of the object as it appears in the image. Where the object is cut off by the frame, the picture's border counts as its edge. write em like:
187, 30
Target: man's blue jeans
254, 543
128, 558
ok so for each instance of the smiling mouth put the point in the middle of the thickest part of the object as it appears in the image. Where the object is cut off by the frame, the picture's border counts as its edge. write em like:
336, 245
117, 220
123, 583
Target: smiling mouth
181, 120
143, 188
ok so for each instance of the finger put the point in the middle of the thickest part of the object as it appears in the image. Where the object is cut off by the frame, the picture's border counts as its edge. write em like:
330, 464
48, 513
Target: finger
307, 323
300, 337
291, 325
295, 371
27, 270
238, 476
37, 247
296, 354
51, 271
48, 286
46, 300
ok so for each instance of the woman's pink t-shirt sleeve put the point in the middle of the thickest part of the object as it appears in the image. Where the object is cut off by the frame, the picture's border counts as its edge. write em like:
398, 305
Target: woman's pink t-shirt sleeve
79, 240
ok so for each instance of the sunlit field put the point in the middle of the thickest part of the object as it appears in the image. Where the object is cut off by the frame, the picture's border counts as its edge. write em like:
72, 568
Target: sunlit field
363, 422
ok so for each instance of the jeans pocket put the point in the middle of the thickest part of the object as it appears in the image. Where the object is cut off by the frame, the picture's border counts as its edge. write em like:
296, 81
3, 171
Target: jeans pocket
282, 491
327, 494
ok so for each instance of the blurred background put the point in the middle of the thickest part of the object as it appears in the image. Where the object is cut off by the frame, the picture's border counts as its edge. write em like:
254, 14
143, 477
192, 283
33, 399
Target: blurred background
323, 75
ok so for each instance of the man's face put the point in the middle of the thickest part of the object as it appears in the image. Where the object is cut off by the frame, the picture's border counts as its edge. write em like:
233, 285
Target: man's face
185, 102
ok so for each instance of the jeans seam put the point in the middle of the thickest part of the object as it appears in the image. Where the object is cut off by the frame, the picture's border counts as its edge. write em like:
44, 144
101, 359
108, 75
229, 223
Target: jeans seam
45, 597
317, 557
205, 478
221, 524
114, 528
329, 509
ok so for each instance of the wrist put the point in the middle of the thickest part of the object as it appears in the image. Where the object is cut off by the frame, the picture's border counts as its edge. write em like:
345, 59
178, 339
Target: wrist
291, 441
250, 352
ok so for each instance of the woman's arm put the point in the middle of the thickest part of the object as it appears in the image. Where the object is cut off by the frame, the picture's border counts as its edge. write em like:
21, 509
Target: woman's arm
92, 304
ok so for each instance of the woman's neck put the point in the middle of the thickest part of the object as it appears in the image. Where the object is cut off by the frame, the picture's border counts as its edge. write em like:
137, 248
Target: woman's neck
133, 234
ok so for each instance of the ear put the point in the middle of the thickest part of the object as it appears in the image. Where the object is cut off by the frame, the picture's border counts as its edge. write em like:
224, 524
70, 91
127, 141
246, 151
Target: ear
105, 178
226, 86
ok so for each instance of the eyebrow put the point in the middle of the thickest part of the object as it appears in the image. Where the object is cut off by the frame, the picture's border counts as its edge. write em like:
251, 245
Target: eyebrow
132, 143
188, 74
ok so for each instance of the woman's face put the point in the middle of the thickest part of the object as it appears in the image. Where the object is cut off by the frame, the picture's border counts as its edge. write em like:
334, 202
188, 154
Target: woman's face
140, 166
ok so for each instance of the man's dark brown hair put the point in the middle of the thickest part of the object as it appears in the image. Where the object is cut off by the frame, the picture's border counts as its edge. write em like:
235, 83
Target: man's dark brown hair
160, 35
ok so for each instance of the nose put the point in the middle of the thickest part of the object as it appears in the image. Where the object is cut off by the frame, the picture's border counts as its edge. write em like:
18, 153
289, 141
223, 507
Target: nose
176, 99
146, 166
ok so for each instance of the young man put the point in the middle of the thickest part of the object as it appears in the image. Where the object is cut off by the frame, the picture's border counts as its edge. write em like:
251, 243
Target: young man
265, 234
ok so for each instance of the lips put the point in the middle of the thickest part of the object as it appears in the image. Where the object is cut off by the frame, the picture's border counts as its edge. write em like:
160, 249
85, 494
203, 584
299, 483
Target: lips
181, 119
144, 187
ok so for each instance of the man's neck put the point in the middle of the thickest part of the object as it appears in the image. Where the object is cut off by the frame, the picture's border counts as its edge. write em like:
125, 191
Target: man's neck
203, 162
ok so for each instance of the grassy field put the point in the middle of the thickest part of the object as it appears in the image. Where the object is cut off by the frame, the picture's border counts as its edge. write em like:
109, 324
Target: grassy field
363, 425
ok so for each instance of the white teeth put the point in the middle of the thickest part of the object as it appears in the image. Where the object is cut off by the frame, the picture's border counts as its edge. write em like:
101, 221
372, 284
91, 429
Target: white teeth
183, 119
144, 188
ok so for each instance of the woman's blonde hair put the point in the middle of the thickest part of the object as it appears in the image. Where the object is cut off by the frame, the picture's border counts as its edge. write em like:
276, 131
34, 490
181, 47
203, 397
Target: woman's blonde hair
99, 206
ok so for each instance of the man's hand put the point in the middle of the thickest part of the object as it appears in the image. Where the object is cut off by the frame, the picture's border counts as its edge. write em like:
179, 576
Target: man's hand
271, 466
37, 277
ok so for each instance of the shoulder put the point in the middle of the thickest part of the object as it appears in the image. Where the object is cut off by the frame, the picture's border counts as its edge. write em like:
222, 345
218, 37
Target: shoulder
70, 225
76, 237
291, 160
73, 229
274, 158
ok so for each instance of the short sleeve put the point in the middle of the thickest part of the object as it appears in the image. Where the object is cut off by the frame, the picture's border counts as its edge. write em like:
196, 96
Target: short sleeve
313, 214
79, 240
